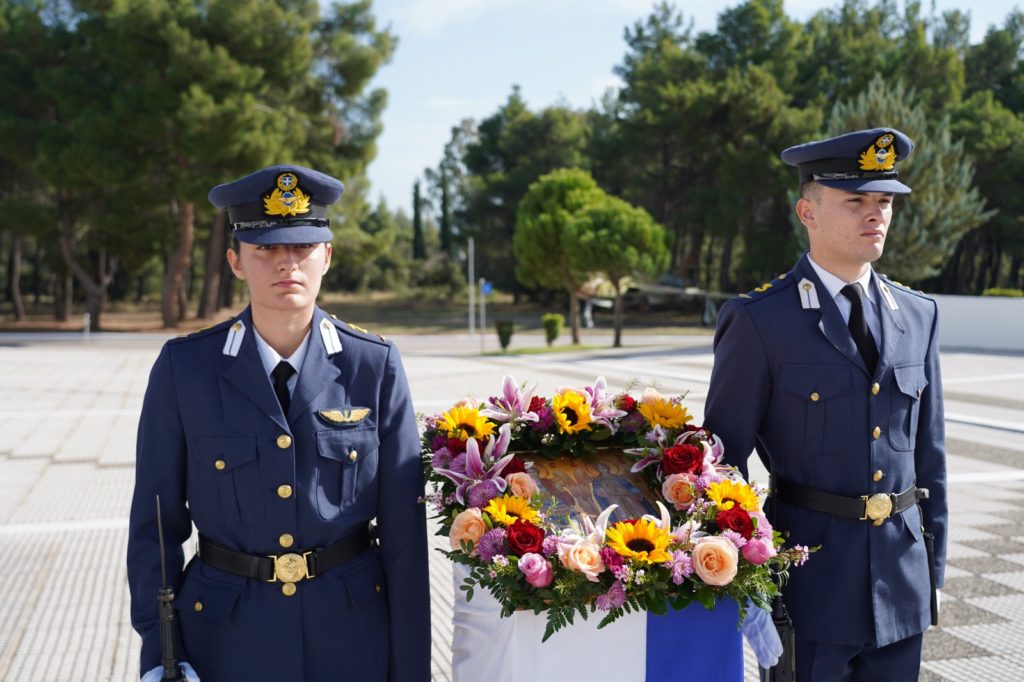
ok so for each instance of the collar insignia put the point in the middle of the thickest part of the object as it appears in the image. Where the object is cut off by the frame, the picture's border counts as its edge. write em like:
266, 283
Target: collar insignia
286, 199
234, 341
329, 335
881, 156
348, 416
808, 295
887, 295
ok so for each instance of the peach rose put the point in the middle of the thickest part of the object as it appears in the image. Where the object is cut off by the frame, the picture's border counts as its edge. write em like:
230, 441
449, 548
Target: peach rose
468, 525
715, 559
583, 556
522, 485
678, 489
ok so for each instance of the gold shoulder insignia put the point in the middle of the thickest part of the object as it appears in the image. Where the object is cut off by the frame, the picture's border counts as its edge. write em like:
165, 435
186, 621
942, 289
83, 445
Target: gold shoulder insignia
763, 288
358, 328
344, 416
783, 275
745, 296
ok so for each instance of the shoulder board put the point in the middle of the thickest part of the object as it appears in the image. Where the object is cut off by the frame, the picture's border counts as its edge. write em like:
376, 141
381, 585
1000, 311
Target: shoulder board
904, 288
358, 332
204, 331
780, 283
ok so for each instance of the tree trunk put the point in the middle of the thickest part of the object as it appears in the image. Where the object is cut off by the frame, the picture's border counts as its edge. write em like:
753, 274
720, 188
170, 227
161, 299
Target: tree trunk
14, 277
63, 294
724, 282
1015, 267
170, 306
617, 316
37, 273
574, 315
209, 298
95, 291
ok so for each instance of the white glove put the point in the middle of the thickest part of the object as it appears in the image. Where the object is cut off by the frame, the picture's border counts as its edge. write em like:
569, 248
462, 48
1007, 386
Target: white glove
762, 636
938, 599
157, 674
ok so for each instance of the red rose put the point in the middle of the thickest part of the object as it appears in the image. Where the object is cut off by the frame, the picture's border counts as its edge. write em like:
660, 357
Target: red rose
456, 446
514, 466
682, 459
736, 519
536, 403
524, 537
626, 402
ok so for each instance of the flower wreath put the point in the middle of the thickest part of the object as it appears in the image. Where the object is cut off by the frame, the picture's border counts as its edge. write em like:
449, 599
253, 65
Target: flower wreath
710, 539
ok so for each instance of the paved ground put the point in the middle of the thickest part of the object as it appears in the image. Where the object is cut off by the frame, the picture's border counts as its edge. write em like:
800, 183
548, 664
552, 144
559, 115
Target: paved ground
68, 413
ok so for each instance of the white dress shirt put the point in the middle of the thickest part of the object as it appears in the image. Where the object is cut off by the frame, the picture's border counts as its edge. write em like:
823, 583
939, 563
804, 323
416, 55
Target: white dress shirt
270, 358
835, 285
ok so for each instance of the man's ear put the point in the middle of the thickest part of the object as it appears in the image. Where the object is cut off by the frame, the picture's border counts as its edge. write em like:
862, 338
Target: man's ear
804, 210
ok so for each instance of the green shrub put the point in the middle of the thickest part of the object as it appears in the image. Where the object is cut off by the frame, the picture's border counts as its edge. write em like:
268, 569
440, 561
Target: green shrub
1015, 293
553, 325
505, 329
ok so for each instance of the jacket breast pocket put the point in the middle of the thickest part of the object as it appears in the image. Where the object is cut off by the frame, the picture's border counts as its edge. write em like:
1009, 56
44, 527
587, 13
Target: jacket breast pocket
906, 405
819, 395
346, 467
224, 476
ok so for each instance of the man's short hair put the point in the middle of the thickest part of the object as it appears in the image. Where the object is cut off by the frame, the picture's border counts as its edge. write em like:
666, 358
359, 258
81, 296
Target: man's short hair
810, 190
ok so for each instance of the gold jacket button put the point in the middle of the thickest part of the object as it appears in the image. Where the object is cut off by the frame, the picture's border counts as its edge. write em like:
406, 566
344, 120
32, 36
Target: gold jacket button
875, 388
879, 475
198, 606
353, 455
379, 588
286, 540
220, 465
284, 491
284, 441
288, 589
877, 432
815, 397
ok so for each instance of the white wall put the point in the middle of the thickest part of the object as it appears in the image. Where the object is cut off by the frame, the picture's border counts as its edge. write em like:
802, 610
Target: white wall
984, 322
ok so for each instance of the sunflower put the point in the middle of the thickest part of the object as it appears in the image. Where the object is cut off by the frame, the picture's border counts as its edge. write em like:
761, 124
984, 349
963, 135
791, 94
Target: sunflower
661, 412
464, 423
641, 540
572, 411
508, 508
725, 494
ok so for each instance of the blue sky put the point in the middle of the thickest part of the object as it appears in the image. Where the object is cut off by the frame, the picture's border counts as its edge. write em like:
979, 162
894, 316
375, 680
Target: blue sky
459, 59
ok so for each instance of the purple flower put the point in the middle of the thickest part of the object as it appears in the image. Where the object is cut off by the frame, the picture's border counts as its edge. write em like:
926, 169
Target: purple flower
762, 528
613, 598
479, 494
611, 558
805, 554
512, 406
545, 419
758, 551
491, 544
458, 463
442, 459
632, 423
550, 545
438, 441
735, 538
602, 406
681, 565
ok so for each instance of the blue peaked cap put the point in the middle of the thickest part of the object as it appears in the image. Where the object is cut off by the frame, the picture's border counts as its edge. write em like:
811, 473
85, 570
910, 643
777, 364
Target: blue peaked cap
862, 161
279, 205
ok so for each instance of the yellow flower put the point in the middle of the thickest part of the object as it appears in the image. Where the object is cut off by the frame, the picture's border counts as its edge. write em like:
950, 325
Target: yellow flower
572, 411
464, 423
641, 540
507, 508
726, 494
661, 412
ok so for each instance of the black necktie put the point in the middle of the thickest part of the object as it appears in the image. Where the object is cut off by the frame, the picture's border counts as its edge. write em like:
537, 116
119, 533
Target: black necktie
859, 326
280, 375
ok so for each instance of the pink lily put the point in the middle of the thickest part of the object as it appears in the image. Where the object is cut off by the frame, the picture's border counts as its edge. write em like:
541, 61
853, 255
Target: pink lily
602, 406
475, 471
514, 404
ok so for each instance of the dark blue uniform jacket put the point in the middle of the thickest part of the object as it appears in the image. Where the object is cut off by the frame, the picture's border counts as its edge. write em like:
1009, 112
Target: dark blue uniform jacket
210, 443
790, 382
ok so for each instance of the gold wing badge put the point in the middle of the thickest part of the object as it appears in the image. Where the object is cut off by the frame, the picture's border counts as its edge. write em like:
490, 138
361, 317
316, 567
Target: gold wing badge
881, 156
287, 199
347, 416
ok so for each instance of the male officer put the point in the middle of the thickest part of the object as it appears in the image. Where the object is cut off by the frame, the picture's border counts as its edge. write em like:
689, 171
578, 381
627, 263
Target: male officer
281, 434
832, 373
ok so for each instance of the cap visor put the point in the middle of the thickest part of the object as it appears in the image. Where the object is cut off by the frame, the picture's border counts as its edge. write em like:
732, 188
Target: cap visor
285, 234
887, 186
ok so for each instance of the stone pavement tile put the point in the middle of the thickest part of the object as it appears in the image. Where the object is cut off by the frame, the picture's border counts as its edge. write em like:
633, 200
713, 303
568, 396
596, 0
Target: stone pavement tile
997, 638
119, 444
957, 612
997, 564
955, 550
1014, 580
975, 519
981, 669
18, 477
976, 586
940, 644
1014, 515
1015, 558
997, 546
74, 492
960, 533
1005, 530
955, 572
1010, 607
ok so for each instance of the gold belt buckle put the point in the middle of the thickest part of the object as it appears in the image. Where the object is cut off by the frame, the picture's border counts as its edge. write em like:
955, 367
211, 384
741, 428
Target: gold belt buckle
877, 507
290, 568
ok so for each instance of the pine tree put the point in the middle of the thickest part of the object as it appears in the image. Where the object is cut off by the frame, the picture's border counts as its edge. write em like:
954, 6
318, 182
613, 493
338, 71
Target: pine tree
419, 247
944, 205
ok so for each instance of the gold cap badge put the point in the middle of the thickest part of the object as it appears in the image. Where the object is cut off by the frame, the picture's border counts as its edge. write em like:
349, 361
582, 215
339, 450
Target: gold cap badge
881, 156
287, 199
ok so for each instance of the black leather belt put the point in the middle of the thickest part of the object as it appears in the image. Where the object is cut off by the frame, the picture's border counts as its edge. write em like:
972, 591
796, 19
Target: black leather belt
875, 508
290, 567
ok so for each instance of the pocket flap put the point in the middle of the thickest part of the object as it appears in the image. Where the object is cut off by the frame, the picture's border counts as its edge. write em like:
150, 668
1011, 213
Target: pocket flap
208, 598
911, 379
234, 451
366, 583
826, 382
347, 445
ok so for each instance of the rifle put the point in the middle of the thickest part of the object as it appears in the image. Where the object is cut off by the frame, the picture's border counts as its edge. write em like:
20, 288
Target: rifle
165, 601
